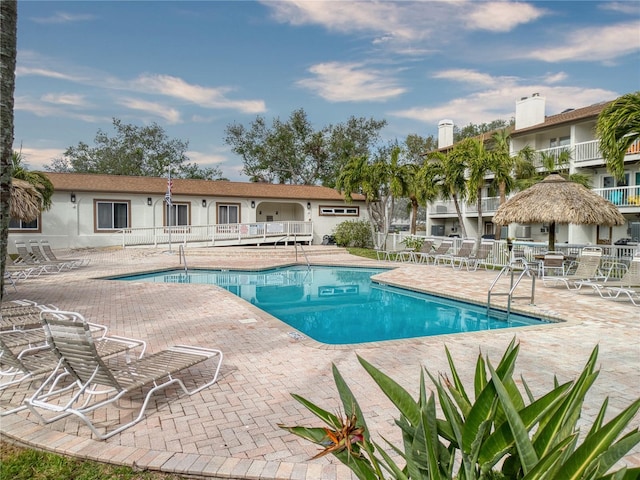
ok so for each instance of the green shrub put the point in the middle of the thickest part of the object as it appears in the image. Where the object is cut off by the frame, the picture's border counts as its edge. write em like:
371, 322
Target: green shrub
414, 243
353, 233
500, 434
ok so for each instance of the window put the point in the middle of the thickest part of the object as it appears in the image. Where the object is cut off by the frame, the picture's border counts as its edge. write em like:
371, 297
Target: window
228, 213
340, 211
33, 226
560, 141
112, 215
177, 214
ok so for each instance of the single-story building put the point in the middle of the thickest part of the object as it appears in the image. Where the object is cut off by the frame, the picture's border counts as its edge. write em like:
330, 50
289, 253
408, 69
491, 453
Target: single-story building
92, 210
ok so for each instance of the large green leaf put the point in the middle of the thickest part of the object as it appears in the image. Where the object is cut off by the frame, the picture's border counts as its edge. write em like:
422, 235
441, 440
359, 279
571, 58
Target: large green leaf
327, 417
349, 402
528, 456
541, 470
484, 408
617, 451
597, 443
462, 398
403, 401
501, 440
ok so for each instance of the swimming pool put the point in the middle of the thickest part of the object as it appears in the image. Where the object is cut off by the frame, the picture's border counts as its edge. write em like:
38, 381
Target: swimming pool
341, 305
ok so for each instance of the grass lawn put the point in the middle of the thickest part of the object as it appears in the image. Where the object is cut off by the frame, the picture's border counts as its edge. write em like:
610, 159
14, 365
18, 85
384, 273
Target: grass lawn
20, 463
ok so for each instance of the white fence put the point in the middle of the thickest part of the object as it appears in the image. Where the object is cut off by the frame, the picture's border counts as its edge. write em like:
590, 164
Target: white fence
220, 234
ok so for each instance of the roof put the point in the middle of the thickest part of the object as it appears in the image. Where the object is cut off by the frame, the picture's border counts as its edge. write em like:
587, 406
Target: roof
84, 182
570, 116
484, 137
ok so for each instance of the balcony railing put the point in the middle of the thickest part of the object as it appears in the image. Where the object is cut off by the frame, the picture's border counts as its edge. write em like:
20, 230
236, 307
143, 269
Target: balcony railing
581, 152
489, 205
621, 196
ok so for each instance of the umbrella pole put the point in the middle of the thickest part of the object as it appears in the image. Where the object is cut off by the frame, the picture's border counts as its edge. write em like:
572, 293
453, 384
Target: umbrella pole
552, 236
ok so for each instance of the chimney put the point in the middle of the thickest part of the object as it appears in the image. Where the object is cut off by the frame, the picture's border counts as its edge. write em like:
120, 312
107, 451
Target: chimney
530, 111
445, 133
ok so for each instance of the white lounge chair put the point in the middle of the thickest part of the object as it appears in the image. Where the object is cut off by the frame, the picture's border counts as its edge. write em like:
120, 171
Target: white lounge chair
588, 268
109, 382
630, 279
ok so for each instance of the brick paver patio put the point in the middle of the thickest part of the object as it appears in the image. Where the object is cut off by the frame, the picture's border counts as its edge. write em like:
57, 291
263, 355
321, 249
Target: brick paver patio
230, 429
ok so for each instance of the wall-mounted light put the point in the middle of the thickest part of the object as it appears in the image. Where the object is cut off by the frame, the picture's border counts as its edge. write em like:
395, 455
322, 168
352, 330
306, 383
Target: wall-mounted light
73, 197
149, 201
253, 204
308, 205
276, 212
204, 202
260, 212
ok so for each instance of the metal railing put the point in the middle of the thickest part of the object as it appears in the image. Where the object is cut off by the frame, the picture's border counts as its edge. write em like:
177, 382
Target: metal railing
256, 232
182, 257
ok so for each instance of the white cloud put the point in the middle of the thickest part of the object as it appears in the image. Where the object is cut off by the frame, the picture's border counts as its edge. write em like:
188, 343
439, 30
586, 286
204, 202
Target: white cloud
42, 109
500, 16
206, 159
45, 72
630, 8
473, 77
71, 99
204, 96
592, 44
63, 17
555, 77
171, 115
37, 158
351, 82
499, 103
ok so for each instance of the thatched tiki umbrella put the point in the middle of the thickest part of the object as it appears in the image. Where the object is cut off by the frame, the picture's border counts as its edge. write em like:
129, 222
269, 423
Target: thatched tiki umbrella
557, 200
24, 201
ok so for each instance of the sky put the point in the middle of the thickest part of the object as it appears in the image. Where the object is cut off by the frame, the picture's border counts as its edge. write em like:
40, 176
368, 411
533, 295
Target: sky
195, 68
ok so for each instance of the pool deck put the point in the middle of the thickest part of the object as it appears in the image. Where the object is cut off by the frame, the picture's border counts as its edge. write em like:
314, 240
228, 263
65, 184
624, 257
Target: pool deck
230, 430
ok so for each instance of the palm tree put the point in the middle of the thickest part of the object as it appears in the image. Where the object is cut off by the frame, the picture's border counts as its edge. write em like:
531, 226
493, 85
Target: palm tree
38, 179
452, 182
618, 127
8, 37
479, 165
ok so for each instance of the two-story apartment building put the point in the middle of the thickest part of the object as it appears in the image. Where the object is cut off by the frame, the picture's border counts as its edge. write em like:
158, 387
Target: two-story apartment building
573, 130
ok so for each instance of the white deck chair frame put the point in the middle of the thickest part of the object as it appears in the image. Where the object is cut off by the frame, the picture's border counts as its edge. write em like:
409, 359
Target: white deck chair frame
74, 346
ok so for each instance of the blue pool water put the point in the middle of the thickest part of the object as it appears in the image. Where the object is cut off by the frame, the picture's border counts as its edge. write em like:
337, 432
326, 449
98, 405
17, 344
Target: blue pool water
341, 305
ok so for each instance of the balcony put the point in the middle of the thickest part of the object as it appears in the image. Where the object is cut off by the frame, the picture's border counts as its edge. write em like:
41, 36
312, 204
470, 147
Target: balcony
582, 152
621, 197
489, 205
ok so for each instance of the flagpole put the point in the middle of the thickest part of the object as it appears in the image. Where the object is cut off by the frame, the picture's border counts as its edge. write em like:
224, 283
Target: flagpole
167, 197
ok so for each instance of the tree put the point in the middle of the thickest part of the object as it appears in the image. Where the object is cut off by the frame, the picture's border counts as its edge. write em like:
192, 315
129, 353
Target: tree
415, 149
618, 127
8, 40
475, 130
478, 163
381, 181
138, 151
38, 179
502, 166
293, 152
449, 170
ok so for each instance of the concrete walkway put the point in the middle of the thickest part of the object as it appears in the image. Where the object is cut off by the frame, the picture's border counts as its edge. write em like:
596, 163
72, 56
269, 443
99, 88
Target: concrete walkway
230, 429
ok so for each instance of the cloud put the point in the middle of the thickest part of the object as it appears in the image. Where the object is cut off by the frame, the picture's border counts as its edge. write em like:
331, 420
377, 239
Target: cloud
555, 77
630, 8
351, 82
37, 158
500, 16
171, 115
206, 159
45, 72
71, 99
62, 17
499, 103
204, 96
472, 77
46, 109
592, 44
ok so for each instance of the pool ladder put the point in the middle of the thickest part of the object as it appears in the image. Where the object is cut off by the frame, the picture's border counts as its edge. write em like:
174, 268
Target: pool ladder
514, 282
295, 243
183, 258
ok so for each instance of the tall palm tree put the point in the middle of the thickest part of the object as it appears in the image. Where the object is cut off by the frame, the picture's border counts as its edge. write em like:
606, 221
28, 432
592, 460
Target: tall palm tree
478, 166
8, 36
452, 182
618, 127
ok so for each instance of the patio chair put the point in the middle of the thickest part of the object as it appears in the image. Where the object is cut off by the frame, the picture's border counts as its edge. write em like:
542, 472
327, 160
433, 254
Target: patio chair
418, 256
458, 258
25, 257
632, 293
588, 268
519, 258
552, 265
40, 257
94, 377
77, 262
20, 314
442, 249
480, 257
630, 279
19, 364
